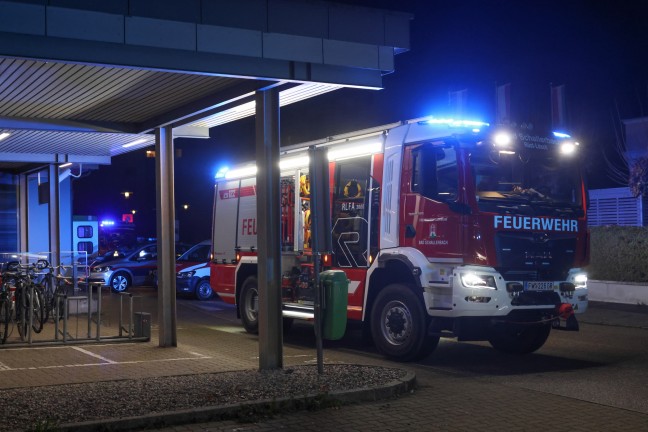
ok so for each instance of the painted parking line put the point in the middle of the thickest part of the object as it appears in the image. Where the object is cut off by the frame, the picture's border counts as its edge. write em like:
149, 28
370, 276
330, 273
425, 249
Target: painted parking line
91, 354
103, 361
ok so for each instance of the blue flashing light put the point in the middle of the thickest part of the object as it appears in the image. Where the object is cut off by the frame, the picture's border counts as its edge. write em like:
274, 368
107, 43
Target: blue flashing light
107, 223
561, 135
221, 172
474, 124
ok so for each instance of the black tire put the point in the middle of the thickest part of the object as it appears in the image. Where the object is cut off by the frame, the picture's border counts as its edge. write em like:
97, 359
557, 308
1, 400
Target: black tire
120, 281
249, 305
515, 339
38, 309
203, 290
48, 295
399, 324
21, 312
5, 317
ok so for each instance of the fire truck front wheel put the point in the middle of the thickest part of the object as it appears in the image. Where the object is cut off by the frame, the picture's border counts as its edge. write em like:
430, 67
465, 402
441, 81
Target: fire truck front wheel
519, 340
399, 324
249, 305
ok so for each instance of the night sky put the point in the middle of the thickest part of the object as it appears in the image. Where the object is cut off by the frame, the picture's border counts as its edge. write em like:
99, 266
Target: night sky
597, 49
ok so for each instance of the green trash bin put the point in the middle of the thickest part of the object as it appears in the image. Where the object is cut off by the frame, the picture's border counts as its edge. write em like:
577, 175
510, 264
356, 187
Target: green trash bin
336, 291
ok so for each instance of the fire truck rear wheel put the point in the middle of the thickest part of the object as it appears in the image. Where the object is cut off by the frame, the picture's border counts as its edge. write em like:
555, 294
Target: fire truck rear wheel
399, 324
521, 340
249, 305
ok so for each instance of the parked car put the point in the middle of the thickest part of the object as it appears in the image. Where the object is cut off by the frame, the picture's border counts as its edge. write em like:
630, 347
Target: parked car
131, 268
192, 269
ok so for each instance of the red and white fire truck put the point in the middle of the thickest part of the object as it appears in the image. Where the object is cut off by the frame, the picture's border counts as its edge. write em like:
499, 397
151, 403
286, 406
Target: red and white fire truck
444, 229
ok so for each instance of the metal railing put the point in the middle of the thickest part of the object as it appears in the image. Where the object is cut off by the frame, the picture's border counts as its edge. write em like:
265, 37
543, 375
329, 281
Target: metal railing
69, 322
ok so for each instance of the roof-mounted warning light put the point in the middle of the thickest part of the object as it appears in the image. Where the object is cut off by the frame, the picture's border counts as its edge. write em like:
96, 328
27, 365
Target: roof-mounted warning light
474, 125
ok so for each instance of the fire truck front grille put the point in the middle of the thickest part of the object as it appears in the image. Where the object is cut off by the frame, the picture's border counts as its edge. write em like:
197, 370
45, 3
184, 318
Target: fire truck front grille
535, 256
515, 275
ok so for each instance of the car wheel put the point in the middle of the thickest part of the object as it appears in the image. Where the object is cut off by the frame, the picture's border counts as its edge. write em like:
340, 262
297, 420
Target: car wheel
203, 290
120, 282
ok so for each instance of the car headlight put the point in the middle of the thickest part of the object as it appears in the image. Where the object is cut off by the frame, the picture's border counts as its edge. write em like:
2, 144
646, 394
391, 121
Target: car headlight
101, 269
474, 280
186, 275
580, 280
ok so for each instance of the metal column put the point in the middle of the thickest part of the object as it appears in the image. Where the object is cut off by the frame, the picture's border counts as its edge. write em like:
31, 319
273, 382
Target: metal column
165, 200
268, 230
54, 215
23, 243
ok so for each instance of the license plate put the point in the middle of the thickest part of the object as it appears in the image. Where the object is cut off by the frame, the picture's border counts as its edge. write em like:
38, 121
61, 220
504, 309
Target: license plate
538, 286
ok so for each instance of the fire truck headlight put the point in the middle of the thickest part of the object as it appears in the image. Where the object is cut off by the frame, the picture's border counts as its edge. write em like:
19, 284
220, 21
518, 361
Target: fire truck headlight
502, 139
473, 280
580, 280
568, 147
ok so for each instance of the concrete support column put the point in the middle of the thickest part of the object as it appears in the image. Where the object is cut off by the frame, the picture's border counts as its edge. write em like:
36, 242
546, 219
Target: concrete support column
54, 218
165, 202
269, 230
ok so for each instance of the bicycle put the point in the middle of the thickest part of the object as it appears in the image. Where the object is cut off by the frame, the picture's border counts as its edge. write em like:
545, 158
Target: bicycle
5, 310
55, 286
29, 303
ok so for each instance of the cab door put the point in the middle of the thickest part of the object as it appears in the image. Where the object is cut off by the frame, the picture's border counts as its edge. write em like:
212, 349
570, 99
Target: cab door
430, 208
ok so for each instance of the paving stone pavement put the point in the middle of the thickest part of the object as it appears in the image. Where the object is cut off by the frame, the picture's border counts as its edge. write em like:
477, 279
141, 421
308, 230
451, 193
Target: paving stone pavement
441, 401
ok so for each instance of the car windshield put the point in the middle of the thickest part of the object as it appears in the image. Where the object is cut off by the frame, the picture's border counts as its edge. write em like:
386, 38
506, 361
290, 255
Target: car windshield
198, 253
534, 178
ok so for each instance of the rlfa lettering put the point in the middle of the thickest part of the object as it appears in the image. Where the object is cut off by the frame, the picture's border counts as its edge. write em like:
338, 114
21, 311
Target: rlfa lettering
535, 223
248, 227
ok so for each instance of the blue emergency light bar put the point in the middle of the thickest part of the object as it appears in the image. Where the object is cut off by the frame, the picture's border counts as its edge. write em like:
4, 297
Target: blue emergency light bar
456, 123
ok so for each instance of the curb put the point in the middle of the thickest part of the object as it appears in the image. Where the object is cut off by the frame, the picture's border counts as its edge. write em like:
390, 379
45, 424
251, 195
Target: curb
247, 410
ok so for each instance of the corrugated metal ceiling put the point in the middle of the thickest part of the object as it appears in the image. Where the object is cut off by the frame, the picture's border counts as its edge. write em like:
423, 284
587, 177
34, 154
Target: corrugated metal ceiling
49, 90
86, 110
61, 109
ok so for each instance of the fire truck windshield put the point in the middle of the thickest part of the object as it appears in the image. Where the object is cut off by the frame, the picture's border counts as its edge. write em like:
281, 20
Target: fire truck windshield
537, 179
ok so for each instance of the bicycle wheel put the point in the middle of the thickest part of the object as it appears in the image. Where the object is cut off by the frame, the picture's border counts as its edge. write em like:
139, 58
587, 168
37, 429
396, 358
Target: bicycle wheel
38, 308
21, 317
5, 312
48, 296
58, 299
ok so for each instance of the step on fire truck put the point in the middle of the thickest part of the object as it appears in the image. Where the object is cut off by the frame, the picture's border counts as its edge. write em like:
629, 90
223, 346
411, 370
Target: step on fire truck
444, 229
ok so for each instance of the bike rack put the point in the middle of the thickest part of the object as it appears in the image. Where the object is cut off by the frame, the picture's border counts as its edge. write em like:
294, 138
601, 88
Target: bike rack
66, 313
130, 314
63, 309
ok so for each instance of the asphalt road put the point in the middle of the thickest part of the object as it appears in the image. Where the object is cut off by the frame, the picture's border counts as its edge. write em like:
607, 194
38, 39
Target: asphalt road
603, 364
